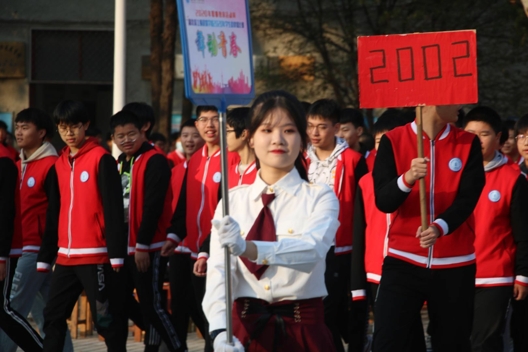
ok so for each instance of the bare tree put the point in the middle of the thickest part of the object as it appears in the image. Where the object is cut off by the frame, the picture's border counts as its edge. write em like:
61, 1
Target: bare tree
167, 67
327, 30
156, 26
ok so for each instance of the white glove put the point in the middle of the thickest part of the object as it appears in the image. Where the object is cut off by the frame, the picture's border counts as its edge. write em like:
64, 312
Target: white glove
229, 235
221, 345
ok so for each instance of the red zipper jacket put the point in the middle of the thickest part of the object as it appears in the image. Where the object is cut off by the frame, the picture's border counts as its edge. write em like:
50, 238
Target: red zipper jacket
34, 190
501, 242
454, 181
370, 239
202, 189
152, 239
247, 178
10, 219
90, 219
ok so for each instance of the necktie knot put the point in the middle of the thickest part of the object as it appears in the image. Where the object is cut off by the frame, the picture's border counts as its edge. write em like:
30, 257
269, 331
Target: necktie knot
267, 198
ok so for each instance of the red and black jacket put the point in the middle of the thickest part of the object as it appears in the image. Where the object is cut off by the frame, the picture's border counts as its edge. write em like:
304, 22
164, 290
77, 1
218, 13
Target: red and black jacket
36, 183
85, 221
501, 242
10, 219
370, 239
150, 199
454, 181
247, 178
199, 195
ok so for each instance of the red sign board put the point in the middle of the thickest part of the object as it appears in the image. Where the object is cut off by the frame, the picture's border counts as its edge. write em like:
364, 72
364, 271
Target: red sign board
438, 68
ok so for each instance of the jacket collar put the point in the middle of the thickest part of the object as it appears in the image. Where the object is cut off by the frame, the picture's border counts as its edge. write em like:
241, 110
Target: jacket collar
289, 183
205, 152
45, 150
88, 145
442, 135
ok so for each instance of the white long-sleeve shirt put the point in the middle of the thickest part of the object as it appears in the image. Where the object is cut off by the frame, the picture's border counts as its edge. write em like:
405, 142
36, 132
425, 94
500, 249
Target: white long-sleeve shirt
305, 217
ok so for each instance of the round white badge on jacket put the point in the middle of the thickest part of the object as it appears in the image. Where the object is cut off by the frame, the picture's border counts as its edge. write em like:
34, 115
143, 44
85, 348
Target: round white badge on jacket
494, 196
217, 177
455, 164
84, 176
31, 182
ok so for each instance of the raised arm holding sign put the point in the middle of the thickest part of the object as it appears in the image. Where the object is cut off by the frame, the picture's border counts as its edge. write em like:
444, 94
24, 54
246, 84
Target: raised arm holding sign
435, 72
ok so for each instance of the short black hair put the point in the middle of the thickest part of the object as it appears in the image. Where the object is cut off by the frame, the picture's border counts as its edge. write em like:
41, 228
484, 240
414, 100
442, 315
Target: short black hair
3, 125
70, 112
157, 137
93, 131
353, 116
144, 112
328, 109
188, 123
408, 114
484, 114
205, 108
389, 120
521, 126
37, 117
125, 117
306, 106
239, 120
509, 125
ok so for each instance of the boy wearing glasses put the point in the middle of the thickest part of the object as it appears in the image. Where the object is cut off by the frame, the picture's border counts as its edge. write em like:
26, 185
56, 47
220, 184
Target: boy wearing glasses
84, 231
145, 178
199, 193
245, 171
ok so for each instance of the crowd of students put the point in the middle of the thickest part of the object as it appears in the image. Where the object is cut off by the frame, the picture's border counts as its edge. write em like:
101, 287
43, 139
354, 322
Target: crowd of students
322, 229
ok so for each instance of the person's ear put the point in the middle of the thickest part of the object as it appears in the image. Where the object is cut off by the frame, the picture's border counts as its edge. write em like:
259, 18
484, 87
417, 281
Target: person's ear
41, 134
244, 134
360, 131
145, 127
251, 143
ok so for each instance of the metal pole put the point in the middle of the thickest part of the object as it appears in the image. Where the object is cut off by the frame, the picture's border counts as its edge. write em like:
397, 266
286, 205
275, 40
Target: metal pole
119, 61
225, 211
423, 207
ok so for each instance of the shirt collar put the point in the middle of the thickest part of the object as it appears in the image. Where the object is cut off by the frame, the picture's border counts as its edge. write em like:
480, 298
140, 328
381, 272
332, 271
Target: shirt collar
289, 183
444, 133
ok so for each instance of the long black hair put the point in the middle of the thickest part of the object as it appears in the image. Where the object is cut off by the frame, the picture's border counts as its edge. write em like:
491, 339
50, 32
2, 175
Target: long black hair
279, 99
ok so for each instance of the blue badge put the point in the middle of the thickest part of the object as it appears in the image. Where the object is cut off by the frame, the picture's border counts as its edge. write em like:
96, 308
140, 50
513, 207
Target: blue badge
455, 164
494, 196
84, 176
31, 182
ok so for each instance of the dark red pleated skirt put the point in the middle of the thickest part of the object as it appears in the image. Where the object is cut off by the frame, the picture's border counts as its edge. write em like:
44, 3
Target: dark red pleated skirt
286, 326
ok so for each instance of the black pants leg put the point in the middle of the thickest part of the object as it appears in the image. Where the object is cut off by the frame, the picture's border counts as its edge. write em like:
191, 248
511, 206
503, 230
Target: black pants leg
65, 289
336, 303
183, 302
105, 296
15, 325
199, 291
519, 325
148, 286
491, 305
450, 302
401, 295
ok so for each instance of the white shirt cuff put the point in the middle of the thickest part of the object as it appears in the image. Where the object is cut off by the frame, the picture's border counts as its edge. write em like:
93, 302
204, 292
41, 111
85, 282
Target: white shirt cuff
358, 295
402, 186
117, 262
203, 255
173, 237
521, 280
443, 225
41, 266
265, 252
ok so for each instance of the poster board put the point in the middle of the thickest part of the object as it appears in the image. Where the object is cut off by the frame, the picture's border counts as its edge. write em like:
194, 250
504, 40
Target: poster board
217, 51
437, 68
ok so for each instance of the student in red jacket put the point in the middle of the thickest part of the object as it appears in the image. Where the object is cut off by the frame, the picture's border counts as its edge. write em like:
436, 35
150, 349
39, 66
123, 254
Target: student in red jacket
509, 147
501, 241
4, 134
37, 156
436, 265
145, 178
370, 237
351, 127
332, 162
199, 194
245, 171
11, 322
84, 230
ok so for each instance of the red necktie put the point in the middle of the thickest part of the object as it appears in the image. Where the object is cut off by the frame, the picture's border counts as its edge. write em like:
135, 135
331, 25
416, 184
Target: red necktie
263, 229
